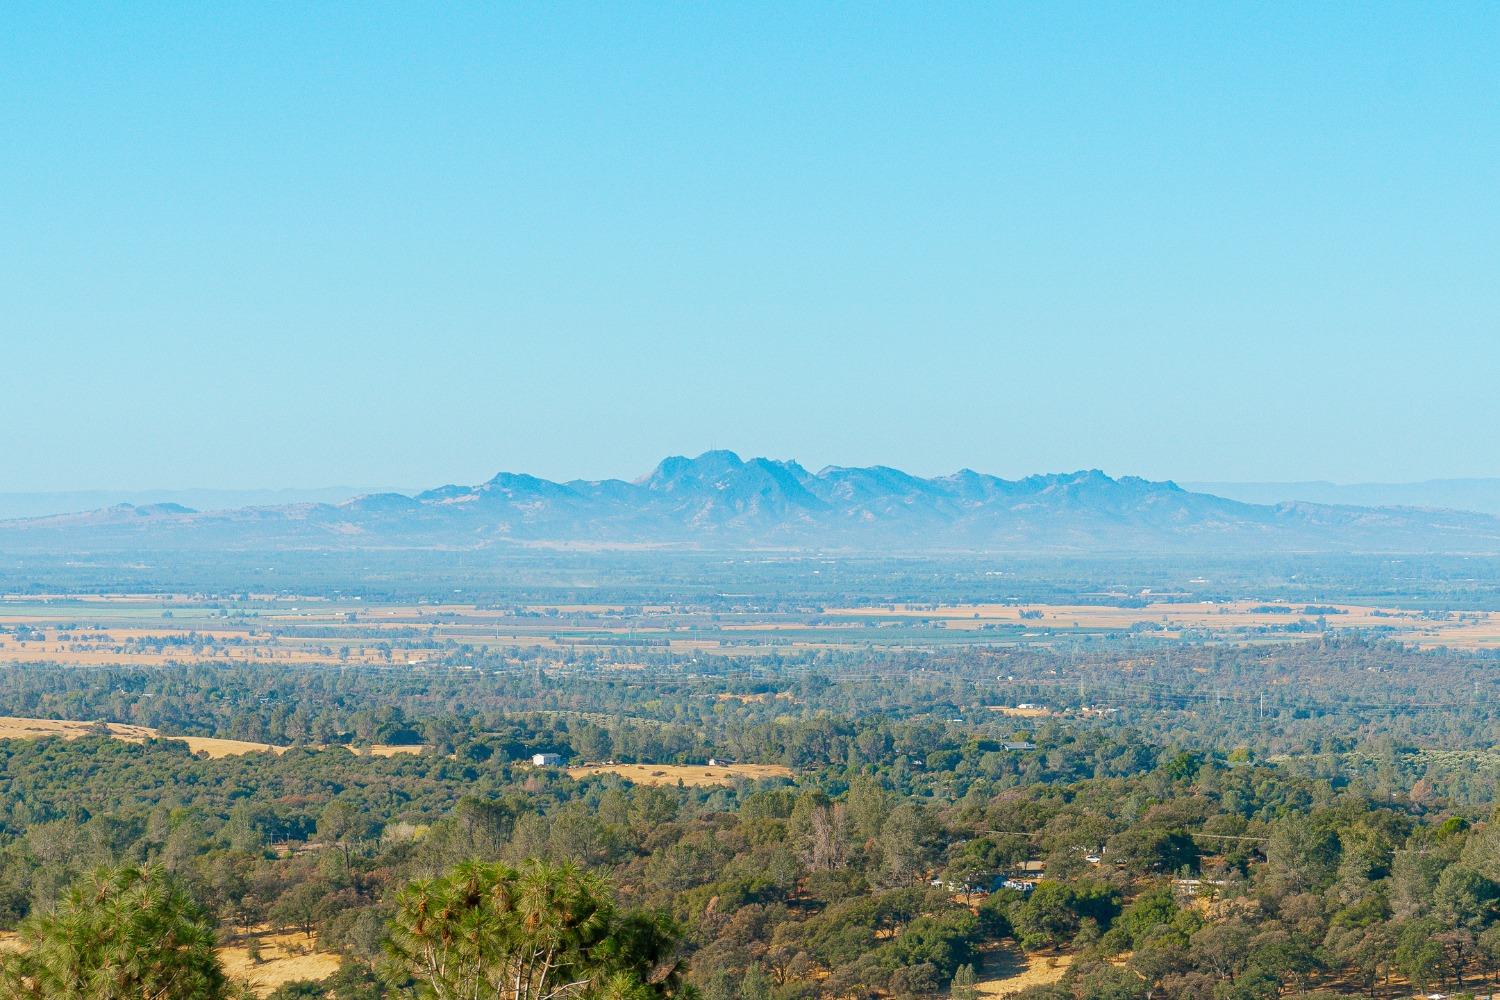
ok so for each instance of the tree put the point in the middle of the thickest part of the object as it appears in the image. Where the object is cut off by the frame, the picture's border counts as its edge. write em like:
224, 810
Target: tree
1489, 950
344, 825
540, 932
905, 843
963, 987
298, 906
1151, 909
118, 934
1147, 850
485, 825
1419, 954
591, 742
1366, 949
1054, 911
1304, 851
1465, 898
1106, 982
1221, 948
300, 989
1283, 956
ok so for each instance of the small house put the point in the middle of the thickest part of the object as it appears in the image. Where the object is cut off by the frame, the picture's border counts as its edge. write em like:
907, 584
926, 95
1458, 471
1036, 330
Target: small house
545, 759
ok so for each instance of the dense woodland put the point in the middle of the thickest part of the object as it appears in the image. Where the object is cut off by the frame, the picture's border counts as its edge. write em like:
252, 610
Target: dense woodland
1211, 820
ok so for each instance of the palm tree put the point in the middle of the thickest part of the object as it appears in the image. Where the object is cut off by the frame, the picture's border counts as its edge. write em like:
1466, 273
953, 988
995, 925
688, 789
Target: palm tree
541, 932
118, 934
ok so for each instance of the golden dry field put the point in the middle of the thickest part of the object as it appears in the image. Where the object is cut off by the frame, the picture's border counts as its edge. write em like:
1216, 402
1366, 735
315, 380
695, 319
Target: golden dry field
1018, 712
285, 957
387, 750
1007, 976
692, 775
13, 728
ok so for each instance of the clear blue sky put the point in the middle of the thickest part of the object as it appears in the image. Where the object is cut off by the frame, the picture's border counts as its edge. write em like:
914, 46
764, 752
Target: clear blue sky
300, 244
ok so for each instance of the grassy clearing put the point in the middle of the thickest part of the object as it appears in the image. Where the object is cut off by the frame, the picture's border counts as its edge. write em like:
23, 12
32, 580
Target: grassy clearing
1008, 971
692, 775
14, 728
285, 957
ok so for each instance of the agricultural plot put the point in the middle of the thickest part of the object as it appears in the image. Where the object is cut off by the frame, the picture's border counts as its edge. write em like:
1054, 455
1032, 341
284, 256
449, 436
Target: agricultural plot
136, 630
1174, 620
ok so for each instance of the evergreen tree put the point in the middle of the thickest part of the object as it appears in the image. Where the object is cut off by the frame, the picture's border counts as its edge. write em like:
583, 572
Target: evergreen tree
118, 934
541, 932
964, 981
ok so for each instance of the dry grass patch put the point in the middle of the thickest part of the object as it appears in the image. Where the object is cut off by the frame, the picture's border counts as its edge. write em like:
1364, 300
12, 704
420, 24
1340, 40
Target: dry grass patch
1012, 976
1021, 713
285, 957
388, 749
217, 748
12, 728
692, 775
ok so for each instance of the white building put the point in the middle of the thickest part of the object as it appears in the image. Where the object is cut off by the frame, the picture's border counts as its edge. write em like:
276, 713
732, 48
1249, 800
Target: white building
545, 759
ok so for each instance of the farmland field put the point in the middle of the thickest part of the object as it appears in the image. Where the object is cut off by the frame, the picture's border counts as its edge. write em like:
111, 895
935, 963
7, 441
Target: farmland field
135, 630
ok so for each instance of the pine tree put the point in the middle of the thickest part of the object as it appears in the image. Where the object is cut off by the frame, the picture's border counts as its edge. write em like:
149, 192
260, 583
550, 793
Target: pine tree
963, 987
118, 934
540, 932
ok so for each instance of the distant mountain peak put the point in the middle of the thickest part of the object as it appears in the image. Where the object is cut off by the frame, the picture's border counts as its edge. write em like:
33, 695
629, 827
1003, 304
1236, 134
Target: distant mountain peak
720, 500
719, 456
521, 484
147, 509
675, 467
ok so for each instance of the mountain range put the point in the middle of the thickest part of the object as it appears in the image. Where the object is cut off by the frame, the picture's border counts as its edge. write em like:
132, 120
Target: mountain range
44, 503
720, 501
1482, 495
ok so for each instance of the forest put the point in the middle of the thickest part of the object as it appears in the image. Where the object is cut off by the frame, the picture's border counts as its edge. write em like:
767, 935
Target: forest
1203, 820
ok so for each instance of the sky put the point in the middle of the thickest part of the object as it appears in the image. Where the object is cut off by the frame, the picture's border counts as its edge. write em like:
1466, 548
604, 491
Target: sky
306, 244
